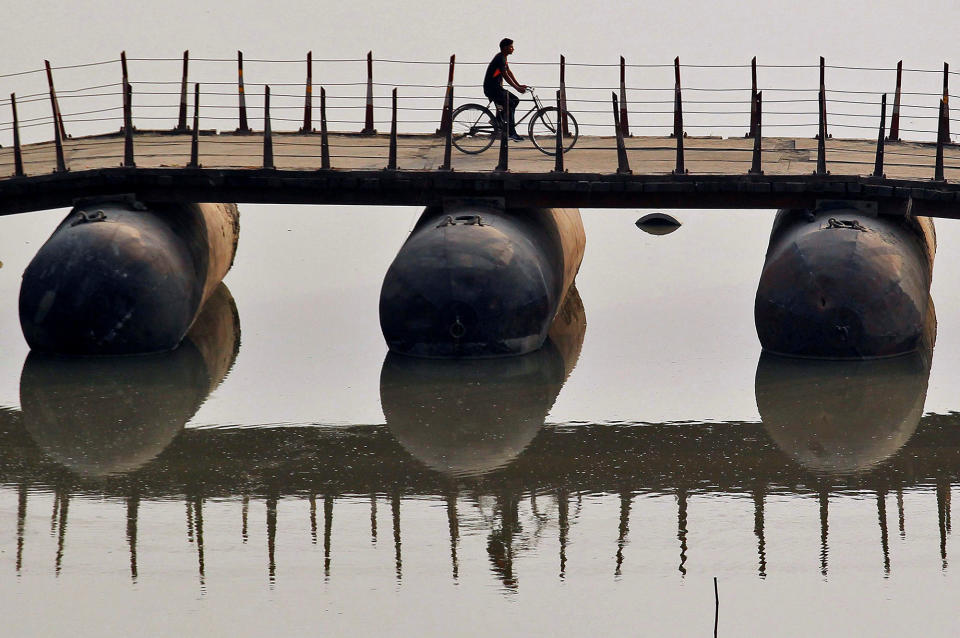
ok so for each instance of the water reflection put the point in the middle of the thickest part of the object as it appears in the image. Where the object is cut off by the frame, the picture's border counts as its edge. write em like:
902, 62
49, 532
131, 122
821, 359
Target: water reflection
471, 440
466, 418
841, 417
845, 418
105, 415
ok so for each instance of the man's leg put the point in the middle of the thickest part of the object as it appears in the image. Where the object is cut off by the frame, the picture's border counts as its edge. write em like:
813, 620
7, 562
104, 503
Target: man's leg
514, 101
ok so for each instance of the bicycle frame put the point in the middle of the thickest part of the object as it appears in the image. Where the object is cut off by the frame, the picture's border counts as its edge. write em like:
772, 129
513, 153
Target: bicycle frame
536, 107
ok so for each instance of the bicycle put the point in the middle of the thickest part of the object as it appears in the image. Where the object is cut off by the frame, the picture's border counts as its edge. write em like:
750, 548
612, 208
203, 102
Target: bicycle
475, 127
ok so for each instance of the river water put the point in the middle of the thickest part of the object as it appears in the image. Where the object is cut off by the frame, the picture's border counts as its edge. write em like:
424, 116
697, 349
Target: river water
280, 474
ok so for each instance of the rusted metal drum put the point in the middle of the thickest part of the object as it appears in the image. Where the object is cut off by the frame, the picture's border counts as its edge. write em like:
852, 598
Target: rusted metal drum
121, 277
108, 415
465, 417
843, 417
477, 280
838, 283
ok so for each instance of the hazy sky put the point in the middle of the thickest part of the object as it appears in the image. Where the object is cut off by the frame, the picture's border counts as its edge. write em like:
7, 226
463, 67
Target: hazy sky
871, 33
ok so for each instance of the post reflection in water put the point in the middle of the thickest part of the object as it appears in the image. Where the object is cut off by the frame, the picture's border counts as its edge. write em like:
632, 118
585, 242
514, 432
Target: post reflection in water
109, 416
469, 418
844, 419
472, 441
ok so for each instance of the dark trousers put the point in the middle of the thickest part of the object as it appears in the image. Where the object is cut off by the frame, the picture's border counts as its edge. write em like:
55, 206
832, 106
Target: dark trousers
497, 98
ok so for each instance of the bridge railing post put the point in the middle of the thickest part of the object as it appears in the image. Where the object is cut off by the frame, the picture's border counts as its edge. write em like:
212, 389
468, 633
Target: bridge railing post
195, 134
182, 115
823, 96
392, 156
58, 117
753, 97
446, 116
324, 141
503, 163
267, 131
368, 128
308, 97
57, 141
756, 167
678, 132
17, 151
563, 97
822, 135
128, 159
677, 99
242, 97
895, 116
941, 140
946, 102
124, 77
623, 164
624, 115
878, 163
558, 147
448, 135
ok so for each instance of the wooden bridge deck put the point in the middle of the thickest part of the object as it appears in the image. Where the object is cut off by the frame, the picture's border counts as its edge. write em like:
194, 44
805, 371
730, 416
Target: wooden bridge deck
231, 170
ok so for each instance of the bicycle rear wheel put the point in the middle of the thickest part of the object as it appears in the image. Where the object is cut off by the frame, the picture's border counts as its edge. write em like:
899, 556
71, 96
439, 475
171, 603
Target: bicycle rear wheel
543, 130
474, 128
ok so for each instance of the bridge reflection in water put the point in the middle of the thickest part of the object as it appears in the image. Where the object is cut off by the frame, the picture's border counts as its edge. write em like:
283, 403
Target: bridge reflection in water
474, 441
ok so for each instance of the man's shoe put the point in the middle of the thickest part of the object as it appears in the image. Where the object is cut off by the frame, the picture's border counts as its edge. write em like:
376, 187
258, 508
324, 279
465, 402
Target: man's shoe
516, 138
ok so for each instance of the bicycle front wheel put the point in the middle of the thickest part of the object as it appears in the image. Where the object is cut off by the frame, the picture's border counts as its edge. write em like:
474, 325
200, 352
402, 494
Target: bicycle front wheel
474, 128
543, 130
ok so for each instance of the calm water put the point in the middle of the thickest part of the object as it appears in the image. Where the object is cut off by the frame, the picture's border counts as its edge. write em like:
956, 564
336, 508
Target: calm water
279, 473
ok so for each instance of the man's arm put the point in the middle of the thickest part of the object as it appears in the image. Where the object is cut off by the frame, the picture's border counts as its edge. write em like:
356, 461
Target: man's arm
513, 81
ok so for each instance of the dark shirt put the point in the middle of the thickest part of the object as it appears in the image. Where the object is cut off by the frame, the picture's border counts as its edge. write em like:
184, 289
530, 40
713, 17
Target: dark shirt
493, 79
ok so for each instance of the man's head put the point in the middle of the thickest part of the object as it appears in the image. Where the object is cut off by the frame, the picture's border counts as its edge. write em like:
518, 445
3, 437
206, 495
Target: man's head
506, 46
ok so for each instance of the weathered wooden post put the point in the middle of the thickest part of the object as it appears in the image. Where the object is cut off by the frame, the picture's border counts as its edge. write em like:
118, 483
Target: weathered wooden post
502, 164
195, 135
324, 142
946, 102
878, 163
448, 134
623, 165
822, 135
941, 140
558, 148
123, 72
624, 122
57, 131
128, 125
392, 157
823, 95
182, 116
58, 117
678, 118
563, 96
753, 98
757, 130
267, 132
368, 124
446, 116
308, 97
17, 151
895, 116
677, 100
244, 128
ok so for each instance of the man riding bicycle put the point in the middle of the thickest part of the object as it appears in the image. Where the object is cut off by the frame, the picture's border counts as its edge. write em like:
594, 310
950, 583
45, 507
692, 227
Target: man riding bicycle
497, 71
